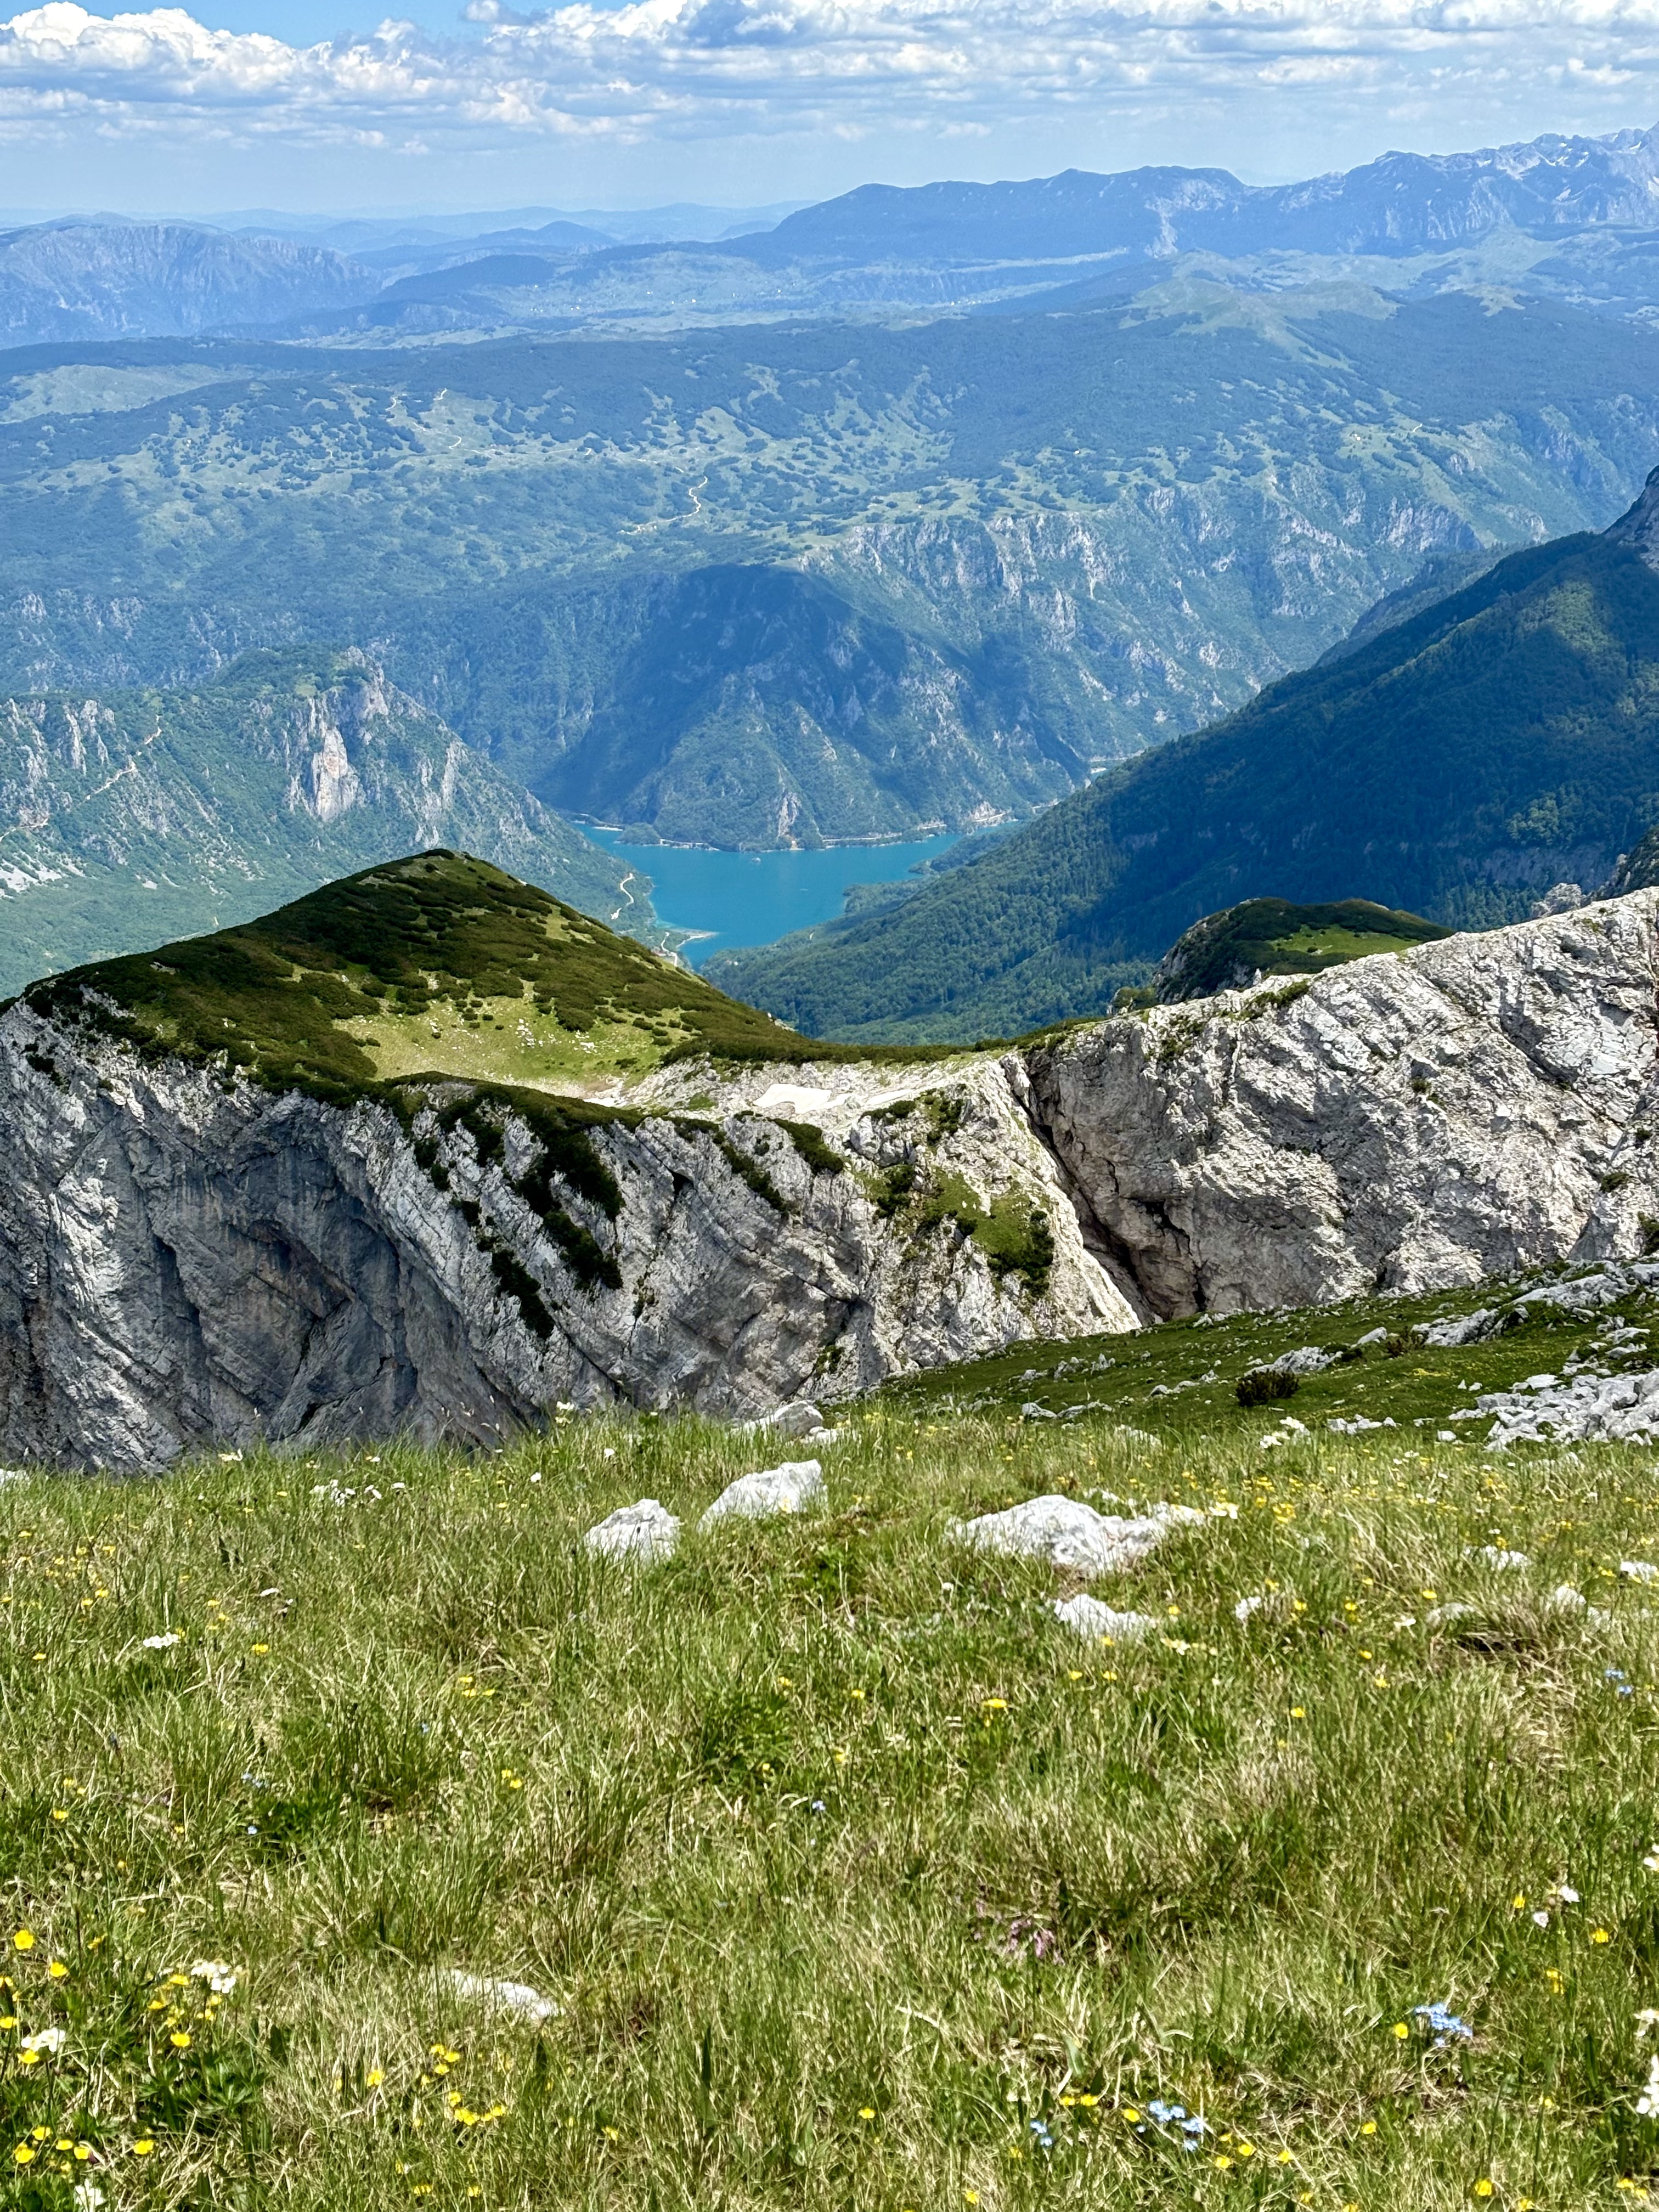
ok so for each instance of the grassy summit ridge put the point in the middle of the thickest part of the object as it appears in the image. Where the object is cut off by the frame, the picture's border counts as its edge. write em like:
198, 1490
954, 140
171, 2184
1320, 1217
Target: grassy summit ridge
850, 1879
438, 964
437, 961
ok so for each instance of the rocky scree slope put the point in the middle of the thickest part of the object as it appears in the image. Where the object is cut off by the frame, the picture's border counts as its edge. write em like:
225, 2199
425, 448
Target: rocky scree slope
428, 1151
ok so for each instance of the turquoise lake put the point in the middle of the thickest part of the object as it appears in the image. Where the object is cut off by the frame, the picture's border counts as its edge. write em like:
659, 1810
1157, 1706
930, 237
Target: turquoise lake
750, 898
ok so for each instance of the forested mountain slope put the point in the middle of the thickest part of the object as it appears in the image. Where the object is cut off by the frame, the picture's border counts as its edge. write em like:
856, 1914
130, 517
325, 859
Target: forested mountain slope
132, 814
1501, 742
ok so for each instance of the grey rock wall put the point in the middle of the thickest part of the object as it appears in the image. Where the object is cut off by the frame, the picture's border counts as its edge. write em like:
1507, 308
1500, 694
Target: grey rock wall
185, 1261
188, 1261
1470, 1107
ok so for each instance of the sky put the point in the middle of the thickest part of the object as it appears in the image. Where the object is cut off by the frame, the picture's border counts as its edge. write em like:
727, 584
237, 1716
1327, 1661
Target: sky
312, 105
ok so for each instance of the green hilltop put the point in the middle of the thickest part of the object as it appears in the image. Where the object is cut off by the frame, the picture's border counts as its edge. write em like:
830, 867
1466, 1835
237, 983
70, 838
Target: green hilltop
1270, 937
437, 964
1458, 765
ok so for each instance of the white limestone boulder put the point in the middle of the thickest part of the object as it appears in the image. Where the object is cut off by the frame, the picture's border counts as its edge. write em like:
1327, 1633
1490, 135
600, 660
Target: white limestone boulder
1070, 1535
1089, 1617
798, 1419
644, 1532
797, 1486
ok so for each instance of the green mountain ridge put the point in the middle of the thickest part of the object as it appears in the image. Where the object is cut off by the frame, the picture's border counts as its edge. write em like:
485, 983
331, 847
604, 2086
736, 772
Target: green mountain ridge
432, 965
132, 816
1458, 765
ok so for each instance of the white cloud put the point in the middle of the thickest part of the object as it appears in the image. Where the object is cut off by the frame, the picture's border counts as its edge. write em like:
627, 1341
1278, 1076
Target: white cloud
654, 69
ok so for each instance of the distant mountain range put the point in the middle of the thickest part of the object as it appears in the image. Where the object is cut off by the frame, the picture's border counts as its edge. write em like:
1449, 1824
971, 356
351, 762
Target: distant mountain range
1458, 765
69, 282
1570, 218
746, 587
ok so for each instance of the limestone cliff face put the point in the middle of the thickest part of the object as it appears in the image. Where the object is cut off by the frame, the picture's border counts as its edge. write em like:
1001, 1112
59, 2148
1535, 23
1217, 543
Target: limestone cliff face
1481, 1104
188, 1259
185, 1259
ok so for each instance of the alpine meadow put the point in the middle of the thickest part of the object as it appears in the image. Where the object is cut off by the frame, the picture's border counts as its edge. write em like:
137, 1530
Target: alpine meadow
829, 1103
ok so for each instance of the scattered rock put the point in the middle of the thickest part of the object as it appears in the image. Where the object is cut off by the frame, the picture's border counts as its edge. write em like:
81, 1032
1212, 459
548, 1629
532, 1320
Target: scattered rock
1584, 1294
1090, 1618
1639, 1570
1590, 1409
1484, 1322
793, 1487
1564, 1599
516, 1997
1311, 1359
798, 1419
1072, 1536
1442, 1616
1502, 1563
822, 1437
646, 1531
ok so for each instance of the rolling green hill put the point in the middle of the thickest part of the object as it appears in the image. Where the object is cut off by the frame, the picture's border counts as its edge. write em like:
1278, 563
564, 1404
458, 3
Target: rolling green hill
1499, 743
131, 816
1229, 950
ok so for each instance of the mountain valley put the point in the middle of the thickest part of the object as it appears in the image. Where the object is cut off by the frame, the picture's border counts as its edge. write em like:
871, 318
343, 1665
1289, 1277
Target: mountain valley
1460, 764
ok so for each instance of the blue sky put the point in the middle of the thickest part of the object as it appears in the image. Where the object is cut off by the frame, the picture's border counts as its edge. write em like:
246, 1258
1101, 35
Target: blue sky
495, 103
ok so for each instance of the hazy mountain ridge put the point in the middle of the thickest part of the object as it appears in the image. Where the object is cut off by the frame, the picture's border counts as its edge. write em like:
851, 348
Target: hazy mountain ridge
66, 282
874, 250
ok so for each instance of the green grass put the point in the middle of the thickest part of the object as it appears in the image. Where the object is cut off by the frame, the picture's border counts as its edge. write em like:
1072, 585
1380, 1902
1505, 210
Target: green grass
1270, 937
856, 1882
1180, 1379
437, 964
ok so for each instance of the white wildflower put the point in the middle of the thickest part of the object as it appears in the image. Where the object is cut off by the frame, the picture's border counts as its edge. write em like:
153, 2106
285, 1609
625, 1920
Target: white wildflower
163, 1643
1647, 2104
49, 2040
220, 1978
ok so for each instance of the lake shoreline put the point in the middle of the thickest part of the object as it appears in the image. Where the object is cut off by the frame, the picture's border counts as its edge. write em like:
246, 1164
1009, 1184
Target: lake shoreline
721, 898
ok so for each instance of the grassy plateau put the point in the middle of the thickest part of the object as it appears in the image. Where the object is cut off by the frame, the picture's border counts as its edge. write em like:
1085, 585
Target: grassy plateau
849, 1876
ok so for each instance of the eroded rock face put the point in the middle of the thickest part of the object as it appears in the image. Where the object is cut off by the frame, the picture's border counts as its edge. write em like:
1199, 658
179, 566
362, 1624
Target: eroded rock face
187, 1260
1408, 1122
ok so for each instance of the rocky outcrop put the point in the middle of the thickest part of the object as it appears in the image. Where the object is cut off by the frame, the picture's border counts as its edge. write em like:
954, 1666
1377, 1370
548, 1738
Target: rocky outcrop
186, 1258
1464, 1109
